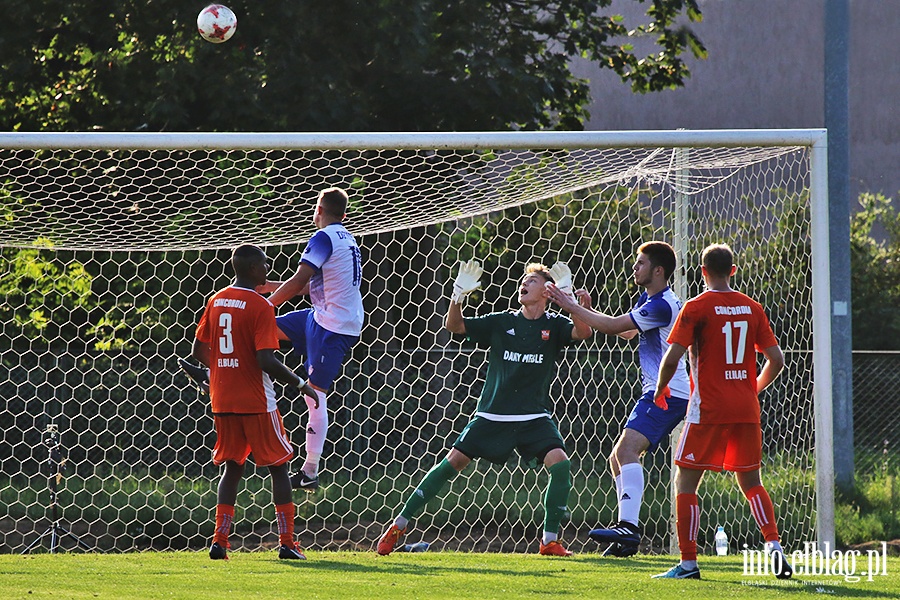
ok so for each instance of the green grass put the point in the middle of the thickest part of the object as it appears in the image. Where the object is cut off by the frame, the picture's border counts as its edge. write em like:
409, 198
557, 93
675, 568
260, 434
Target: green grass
431, 576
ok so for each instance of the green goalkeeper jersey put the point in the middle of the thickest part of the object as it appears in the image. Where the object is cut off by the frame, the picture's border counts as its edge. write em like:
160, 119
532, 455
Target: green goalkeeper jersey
522, 360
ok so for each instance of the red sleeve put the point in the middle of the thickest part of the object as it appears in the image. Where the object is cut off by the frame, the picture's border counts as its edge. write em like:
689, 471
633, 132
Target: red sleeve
683, 330
202, 333
765, 337
266, 329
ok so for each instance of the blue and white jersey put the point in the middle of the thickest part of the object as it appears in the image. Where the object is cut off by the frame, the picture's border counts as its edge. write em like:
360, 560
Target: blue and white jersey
334, 289
654, 317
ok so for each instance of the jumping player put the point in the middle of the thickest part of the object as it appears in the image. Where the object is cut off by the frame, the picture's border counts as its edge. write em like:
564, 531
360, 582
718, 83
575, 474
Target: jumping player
330, 272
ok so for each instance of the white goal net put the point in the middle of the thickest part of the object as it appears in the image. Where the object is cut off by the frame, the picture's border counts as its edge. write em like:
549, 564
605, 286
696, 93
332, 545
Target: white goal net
111, 243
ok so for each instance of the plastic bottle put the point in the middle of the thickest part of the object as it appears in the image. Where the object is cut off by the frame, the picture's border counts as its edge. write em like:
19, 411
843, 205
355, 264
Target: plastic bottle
417, 547
721, 541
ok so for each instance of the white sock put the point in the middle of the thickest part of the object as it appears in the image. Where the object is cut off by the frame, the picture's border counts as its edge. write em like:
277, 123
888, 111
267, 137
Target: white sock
316, 429
401, 522
775, 547
618, 480
689, 565
632, 493
549, 537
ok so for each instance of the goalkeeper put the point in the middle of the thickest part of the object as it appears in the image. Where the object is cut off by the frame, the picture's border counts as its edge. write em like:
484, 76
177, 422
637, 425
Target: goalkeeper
653, 317
514, 411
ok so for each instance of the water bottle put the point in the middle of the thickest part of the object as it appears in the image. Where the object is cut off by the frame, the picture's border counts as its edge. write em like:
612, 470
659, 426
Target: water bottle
721, 541
417, 547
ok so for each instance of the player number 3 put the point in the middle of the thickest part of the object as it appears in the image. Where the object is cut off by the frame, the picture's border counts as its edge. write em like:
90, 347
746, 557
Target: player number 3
226, 341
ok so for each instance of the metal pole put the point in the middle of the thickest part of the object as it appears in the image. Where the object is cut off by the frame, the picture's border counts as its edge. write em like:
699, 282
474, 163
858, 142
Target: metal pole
822, 343
837, 25
681, 245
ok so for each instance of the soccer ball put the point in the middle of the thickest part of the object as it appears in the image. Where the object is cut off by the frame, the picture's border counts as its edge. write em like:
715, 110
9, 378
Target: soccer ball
216, 23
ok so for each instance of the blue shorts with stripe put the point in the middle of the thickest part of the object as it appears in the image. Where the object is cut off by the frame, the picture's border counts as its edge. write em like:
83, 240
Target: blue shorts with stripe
323, 351
653, 422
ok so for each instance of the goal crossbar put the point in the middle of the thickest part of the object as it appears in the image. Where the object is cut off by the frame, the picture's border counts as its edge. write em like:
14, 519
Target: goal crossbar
417, 140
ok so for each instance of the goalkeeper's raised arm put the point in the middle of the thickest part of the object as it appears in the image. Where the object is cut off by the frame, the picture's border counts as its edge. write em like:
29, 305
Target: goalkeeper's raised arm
562, 285
467, 281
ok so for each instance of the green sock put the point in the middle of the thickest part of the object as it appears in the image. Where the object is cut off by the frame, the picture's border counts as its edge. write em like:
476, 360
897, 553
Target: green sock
556, 496
430, 487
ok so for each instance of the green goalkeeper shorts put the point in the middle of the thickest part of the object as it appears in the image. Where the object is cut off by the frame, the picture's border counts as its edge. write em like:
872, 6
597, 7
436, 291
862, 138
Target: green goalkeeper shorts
495, 440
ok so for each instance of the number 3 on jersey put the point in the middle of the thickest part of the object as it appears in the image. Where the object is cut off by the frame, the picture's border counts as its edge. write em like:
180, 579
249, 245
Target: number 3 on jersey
735, 356
226, 341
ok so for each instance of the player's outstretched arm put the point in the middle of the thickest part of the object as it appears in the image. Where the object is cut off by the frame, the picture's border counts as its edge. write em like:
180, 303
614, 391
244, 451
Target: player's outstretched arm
295, 286
467, 281
595, 319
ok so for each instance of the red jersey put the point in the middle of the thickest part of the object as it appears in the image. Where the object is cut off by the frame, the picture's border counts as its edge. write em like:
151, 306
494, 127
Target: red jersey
236, 323
723, 330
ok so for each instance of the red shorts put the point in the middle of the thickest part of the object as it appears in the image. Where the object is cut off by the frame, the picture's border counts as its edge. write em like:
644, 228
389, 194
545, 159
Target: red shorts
262, 434
718, 446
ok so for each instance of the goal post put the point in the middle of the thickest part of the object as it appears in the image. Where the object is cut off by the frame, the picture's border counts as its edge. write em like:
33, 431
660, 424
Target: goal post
111, 242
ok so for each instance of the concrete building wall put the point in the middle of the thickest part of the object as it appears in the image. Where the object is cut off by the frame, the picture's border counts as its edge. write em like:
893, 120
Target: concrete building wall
766, 70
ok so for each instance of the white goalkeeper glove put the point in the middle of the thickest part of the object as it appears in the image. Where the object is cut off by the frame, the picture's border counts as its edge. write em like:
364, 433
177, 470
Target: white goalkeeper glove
466, 280
562, 277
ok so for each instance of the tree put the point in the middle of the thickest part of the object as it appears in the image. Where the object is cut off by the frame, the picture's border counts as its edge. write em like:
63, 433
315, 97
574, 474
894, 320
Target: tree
875, 274
383, 65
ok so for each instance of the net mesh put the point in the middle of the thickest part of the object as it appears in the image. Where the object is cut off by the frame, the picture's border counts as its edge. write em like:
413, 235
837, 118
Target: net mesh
109, 256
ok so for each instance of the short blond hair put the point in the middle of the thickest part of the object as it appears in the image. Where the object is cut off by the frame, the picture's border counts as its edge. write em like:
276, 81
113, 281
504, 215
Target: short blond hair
540, 269
334, 202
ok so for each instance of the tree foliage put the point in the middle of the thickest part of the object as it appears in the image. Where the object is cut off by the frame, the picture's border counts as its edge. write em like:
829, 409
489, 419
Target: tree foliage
875, 274
38, 284
383, 65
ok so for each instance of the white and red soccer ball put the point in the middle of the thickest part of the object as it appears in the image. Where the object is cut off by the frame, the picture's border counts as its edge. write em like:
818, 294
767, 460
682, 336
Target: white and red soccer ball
216, 23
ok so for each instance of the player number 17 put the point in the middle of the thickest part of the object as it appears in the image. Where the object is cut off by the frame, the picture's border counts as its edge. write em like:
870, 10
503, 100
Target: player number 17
732, 355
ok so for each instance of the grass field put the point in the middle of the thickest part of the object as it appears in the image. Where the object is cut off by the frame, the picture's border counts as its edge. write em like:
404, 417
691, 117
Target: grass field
429, 575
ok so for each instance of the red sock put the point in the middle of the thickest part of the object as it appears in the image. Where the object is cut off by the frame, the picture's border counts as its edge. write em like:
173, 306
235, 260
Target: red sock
763, 511
284, 515
688, 524
224, 518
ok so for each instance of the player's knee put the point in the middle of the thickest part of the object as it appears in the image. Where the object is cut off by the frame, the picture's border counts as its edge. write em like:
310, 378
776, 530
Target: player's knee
622, 455
613, 461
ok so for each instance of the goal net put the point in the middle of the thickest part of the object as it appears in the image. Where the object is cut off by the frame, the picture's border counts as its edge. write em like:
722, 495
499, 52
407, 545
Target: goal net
111, 244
